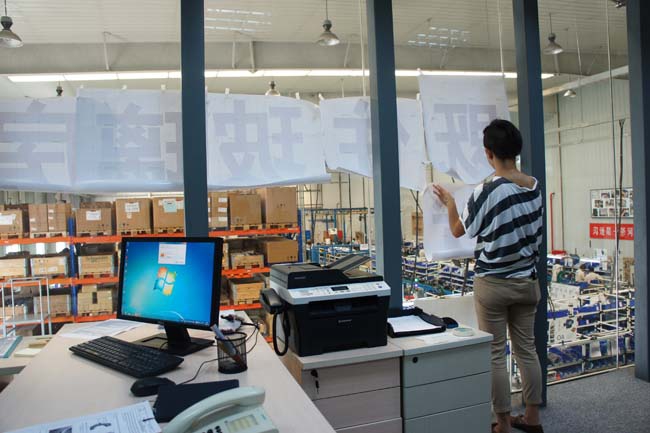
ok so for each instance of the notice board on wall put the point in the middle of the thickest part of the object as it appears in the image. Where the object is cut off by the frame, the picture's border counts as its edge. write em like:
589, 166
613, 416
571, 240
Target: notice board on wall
604, 202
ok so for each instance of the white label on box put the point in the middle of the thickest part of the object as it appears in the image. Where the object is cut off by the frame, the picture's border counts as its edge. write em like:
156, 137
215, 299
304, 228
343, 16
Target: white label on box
132, 207
172, 254
223, 219
223, 199
129, 215
52, 269
222, 209
169, 205
32, 220
7, 220
93, 215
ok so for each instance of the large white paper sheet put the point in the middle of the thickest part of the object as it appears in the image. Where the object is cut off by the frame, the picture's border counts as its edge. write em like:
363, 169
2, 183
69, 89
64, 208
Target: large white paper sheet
263, 140
456, 110
107, 328
439, 243
137, 418
36, 139
128, 141
348, 142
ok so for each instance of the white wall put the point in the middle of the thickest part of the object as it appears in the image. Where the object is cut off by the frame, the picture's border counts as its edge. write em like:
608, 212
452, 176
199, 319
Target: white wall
584, 161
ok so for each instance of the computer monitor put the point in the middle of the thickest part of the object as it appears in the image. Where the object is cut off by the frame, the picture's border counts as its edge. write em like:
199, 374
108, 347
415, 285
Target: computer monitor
172, 281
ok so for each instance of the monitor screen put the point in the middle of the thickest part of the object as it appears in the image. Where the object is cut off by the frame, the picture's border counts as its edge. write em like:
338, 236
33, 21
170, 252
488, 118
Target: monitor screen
170, 280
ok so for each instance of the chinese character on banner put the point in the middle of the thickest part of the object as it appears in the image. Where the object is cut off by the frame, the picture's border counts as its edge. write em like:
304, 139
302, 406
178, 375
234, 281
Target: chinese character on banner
594, 231
608, 231
601, 231
630, 232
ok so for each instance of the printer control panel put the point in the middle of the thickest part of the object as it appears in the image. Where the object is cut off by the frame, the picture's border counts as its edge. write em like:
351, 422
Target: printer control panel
375, 287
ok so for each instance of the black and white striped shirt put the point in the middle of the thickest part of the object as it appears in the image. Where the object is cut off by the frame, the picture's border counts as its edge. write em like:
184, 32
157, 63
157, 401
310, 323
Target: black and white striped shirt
507, 220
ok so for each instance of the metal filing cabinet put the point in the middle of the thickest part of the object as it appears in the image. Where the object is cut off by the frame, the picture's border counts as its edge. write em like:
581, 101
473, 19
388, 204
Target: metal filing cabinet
446, 383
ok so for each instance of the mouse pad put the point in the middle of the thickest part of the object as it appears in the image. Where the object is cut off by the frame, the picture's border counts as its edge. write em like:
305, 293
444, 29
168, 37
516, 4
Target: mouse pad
174, 399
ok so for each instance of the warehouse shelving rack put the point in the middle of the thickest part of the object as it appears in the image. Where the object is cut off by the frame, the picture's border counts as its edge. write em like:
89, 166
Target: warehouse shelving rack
74, 282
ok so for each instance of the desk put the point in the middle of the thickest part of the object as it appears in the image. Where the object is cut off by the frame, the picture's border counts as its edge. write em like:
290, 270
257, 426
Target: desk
15, 364
57, 384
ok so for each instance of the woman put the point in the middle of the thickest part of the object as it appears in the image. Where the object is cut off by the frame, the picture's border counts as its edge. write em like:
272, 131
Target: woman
506, 217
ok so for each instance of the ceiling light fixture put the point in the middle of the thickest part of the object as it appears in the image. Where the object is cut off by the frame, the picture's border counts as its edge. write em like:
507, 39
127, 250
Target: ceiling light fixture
8, 39
327, 38
570, 94
272, 91
245, 73
553, 48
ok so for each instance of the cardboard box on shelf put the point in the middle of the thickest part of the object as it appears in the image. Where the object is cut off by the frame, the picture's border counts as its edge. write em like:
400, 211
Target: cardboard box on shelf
94, 220
95, 302
133, 214
98, 265
279, 205
49, 265
278, 249
246, 261
225, 261
13, 222
59, 305
218, 210
88, 288
245, 290
57, 217
244, 209
96, 204
168, 213
37, 218
14, 267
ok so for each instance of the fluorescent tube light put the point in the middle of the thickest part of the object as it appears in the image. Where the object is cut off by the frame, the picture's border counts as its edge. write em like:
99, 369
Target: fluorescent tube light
142, 75
239, 73
40, 78
97, 76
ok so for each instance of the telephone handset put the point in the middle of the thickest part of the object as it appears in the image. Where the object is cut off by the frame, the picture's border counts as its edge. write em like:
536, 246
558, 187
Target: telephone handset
237, 410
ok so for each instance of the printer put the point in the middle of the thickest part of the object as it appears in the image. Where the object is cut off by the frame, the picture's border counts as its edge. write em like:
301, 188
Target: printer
325, 309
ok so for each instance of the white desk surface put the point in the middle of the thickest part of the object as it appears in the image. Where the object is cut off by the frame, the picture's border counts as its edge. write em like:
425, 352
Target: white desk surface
57, 384
347, 357
417, 345
15, 364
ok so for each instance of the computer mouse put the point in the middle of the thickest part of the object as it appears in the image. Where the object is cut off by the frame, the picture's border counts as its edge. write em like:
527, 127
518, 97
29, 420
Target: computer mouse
149, 386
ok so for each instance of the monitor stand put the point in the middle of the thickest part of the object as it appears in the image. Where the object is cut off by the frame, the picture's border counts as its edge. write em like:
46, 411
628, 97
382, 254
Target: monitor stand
176, 341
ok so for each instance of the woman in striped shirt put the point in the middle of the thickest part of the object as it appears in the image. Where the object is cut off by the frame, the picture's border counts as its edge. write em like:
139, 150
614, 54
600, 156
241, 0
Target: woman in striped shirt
506, 216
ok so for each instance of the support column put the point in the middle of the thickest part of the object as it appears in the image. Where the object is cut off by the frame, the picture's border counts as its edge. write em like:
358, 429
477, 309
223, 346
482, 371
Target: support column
531, 124
638, 35
385, 157
195, 177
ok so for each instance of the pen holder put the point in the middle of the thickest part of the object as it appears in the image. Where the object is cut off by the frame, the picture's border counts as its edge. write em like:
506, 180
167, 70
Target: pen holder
232, 353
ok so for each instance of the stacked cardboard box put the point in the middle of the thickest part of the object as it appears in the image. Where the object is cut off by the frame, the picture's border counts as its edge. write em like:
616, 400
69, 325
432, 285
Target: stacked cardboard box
101, 264
59, 305
49, 265
168, 213
133, 215
417, 221
95, 217
245, 290
279, 205
218, 210
57, 217
245, 260
37, 218
244, 210
13, 222
278, 249
93, 301
225, 261
14, 267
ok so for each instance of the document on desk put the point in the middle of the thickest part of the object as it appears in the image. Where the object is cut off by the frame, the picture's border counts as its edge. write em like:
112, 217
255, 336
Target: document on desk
410, 324
107, 328
137, 418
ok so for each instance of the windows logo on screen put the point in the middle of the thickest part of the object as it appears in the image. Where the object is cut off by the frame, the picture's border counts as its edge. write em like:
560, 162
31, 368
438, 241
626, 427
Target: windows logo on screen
165, 281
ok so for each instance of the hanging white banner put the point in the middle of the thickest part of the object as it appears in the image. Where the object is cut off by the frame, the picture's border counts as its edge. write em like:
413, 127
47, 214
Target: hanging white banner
36, 139
439, 243
263, 140
456, 110
128, 141
348, 145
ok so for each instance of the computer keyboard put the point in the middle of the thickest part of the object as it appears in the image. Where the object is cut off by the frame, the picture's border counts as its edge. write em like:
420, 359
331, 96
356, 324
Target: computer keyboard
132, 359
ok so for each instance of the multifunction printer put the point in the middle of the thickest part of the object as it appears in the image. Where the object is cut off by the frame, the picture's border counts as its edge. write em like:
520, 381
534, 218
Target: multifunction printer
325, 309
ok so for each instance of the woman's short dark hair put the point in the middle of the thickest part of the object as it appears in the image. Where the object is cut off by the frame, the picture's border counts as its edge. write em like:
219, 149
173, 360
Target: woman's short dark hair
503, 139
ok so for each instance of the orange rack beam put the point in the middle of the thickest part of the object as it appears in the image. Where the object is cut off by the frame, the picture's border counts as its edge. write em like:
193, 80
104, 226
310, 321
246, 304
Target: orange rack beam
100, 280
82, 319
241, 307
243, 273
30, 241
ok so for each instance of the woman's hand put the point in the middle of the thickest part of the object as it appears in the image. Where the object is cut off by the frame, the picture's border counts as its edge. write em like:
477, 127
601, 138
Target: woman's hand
444, 196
